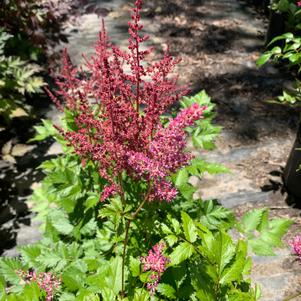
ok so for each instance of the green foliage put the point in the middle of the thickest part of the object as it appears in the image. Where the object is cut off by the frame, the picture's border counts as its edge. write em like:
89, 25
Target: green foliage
84, 238
17, 78
213, 265
262, 233
289, 54
290, 10
203, 136
28, 29
204, 133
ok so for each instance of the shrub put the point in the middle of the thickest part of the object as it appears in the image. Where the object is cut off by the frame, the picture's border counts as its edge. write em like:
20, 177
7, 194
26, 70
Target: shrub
17, 78
289, 55
291, 10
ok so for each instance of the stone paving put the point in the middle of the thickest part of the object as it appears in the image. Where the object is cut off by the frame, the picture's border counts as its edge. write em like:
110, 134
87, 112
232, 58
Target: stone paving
252, 162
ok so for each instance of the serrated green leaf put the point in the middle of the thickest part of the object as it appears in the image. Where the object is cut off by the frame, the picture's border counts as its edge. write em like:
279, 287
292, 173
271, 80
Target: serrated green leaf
171, 239
235, 270
187, 191
224, 250
260, 247
91, 201
252, 219
166, 290
65, 296
182, 252
189, 227
73, 279
60, 222
31, 292
114, 275
8, 269
280, 226
135, 266
141, 295
215, 216
30, 254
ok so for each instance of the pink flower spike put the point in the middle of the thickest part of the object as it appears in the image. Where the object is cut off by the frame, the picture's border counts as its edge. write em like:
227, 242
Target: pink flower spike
299, 3
156, 262
46, 281
296, 246
117, 111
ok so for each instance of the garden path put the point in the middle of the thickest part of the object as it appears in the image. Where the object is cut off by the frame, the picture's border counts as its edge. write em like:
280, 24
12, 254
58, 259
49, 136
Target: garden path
219, 42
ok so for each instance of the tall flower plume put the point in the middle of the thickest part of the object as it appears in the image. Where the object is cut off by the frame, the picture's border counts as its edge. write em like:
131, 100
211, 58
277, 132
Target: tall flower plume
117, 109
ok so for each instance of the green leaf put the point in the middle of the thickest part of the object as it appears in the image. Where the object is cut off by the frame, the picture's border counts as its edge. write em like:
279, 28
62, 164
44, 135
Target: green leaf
260, 247
219, 249
65, 296
189, 227
135, 266
166, 290
187, 191
175, 224
264, 235
31, 292
91, 201
8, 269
224, 250
252, 219
60, 222
235, 270
287, 36
141, 295
44, 131
171, 239
73, 278
114, 275
280, 226
215, 216
263, 58
181, 178
30, 254
182, 252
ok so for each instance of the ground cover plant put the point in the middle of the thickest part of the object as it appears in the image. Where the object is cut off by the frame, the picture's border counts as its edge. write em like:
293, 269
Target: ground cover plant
117, 209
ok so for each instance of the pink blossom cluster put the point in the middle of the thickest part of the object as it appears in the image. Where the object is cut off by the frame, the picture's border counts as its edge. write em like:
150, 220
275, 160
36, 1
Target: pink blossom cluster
299, 3
46, 282
117, 110
296, 245
156, 262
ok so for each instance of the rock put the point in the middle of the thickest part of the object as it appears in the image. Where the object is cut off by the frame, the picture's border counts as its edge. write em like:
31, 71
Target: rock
20, 150
55, 149
19, 112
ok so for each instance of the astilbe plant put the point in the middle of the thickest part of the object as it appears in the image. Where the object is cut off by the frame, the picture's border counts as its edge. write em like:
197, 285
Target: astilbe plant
118, 111
118, 114
115, 225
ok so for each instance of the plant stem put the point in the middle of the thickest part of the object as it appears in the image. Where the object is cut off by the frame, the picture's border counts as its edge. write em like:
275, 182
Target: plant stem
126, 239
121, 187
292, 297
